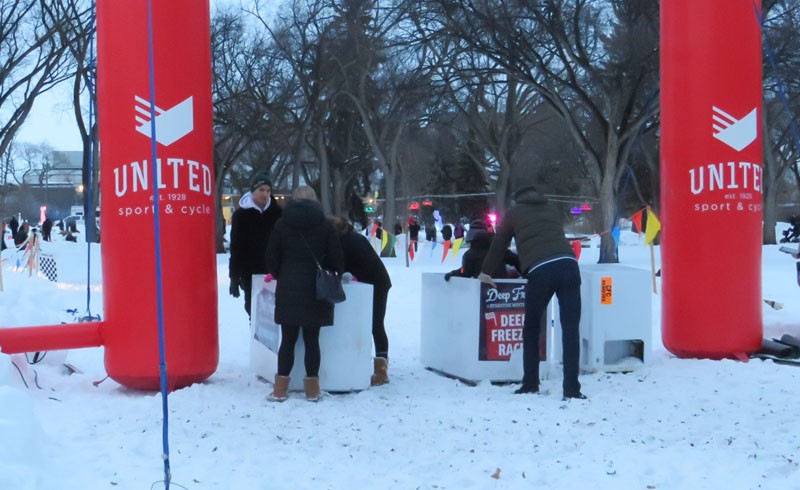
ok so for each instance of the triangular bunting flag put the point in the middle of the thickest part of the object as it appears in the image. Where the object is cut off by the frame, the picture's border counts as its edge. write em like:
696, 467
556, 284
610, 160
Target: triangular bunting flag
653, 226
576, 247
615, 235
637, 221
446, 249
457, 245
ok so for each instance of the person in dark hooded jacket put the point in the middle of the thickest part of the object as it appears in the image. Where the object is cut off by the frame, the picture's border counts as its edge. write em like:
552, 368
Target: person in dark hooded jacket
361, 260
251, 226
550, 266
480, 239
302, 238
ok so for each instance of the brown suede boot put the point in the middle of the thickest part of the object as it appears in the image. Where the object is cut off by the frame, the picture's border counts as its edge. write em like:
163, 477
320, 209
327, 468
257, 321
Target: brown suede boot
380, 375
311, 386
280, 390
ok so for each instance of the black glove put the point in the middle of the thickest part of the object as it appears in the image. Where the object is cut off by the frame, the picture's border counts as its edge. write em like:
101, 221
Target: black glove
448, 276
234, 287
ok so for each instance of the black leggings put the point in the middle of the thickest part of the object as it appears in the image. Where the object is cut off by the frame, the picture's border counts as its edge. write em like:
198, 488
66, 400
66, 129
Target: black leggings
378, 328
289, 335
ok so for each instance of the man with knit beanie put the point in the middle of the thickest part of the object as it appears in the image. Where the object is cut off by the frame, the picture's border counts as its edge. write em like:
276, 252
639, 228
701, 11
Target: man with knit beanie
251, 226
549, 264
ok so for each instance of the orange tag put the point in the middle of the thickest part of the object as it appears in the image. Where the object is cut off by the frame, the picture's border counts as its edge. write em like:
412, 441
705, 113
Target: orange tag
606, 290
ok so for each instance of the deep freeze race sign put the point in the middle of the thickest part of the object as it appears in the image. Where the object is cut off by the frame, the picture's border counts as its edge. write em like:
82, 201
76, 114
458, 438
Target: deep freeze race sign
502, 319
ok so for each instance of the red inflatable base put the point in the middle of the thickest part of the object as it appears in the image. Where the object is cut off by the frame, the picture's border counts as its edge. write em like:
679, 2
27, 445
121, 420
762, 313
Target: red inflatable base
153, 383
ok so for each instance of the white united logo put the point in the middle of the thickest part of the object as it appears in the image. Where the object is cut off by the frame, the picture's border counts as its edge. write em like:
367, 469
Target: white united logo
171, 124
736, 133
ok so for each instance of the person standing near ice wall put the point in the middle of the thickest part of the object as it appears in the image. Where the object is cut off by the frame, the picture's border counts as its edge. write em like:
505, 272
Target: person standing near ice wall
549, 264
361, 260
302, 238
251, 227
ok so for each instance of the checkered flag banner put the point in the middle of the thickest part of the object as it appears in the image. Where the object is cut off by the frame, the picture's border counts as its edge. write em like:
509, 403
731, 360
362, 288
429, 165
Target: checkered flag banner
48, 267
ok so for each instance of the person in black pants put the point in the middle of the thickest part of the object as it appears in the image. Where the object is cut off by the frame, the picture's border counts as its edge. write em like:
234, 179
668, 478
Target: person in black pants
550, 266
361, 261
302, 238
251, 226
413, 231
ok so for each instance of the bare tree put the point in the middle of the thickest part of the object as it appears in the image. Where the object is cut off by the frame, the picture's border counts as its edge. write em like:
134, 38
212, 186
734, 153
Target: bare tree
594, 62
781, 105
247, 91
32, 61
76, 27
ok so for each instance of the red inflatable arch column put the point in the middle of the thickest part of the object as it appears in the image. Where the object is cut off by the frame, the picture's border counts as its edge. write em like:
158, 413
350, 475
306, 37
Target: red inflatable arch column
183, 110
711, 191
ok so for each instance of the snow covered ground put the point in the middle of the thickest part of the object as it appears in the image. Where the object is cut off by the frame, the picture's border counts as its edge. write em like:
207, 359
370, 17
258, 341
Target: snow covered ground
674, 424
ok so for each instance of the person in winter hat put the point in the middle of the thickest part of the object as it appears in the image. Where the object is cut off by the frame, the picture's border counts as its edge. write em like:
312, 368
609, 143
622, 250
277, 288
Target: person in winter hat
251, 227
480, 239
301, 238
550, 266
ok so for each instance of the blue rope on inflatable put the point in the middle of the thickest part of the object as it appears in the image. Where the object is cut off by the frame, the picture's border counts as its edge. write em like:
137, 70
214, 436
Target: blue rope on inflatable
157, 228
90, 234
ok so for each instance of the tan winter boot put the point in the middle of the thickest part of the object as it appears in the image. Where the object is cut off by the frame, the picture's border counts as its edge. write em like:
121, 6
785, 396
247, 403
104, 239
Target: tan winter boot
280, 390
311, 386
380, 376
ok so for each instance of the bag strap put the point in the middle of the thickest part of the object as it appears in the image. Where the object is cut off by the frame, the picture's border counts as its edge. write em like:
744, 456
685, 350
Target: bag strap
319, 266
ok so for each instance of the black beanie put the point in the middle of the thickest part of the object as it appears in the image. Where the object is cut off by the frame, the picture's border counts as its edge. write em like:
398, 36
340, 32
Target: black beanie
259, 179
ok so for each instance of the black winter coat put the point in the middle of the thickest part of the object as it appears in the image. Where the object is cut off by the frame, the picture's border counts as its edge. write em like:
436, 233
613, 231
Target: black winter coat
413, 231
302, 234
361, 260
250, 233
473, 259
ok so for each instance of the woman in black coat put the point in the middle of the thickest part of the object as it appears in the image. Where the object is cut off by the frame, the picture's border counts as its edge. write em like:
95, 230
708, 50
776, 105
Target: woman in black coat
361, 260
300, 238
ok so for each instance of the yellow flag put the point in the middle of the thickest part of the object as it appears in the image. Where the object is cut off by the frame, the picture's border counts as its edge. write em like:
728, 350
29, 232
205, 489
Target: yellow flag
384, 239
456, 246
653, 226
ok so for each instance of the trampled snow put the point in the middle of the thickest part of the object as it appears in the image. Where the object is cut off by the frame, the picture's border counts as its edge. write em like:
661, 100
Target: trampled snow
673, 424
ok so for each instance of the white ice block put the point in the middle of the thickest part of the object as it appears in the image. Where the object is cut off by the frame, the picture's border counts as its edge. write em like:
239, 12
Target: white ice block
451, 329
616, 318
346, 346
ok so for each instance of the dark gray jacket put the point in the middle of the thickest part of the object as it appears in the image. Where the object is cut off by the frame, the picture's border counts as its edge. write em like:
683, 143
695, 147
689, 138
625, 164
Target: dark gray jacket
538, 229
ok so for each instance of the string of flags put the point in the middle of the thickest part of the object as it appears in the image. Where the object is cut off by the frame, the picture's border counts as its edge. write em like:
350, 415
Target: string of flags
653, 224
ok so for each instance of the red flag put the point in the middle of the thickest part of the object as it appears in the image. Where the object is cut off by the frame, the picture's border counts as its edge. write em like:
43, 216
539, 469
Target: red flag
576, 247
411, 249
637, 220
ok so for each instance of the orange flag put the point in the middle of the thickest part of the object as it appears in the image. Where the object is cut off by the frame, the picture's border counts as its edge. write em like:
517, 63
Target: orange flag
411, 250
446, 249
